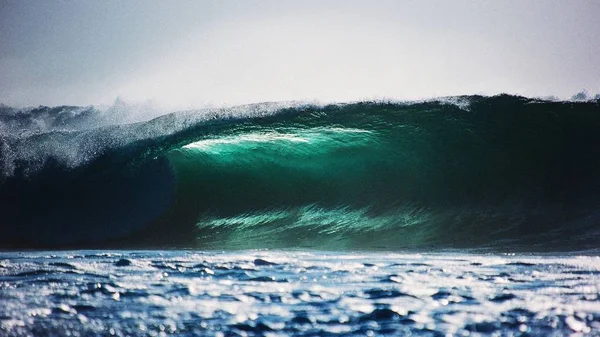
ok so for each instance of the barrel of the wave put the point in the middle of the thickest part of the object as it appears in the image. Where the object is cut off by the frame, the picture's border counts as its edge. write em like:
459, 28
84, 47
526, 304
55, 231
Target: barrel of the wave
503, 169
91, 205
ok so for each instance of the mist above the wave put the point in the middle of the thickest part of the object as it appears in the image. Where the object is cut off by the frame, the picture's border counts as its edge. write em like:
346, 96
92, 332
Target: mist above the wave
203, 54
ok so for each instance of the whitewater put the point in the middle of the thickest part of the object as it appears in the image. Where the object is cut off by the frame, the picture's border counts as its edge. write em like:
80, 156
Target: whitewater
467, 216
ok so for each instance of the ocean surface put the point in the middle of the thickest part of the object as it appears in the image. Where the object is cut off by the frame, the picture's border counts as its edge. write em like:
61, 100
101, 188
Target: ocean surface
467, 216
299, 293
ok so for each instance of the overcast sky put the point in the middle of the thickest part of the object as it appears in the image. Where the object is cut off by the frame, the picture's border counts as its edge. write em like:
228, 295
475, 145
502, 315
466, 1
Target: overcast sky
198, 53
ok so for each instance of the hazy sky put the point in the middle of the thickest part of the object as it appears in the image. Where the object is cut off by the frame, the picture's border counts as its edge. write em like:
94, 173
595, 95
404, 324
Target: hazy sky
197, 53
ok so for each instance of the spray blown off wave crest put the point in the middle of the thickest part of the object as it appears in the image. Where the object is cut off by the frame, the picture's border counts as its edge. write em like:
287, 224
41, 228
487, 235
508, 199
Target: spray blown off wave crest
462, 172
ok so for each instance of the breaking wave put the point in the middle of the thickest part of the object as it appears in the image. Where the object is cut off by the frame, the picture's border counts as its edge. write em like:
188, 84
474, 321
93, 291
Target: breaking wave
461, 172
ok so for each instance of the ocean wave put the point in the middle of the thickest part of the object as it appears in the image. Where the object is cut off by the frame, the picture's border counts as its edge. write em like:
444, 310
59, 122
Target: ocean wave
467, 171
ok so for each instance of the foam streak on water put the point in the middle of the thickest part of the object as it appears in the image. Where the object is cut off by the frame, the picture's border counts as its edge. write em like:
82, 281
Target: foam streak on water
304, 293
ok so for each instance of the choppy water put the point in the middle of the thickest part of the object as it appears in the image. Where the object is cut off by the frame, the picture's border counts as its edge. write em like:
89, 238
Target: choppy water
303, 293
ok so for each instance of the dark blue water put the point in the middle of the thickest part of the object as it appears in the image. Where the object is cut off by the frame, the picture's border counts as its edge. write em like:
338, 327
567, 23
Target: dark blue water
300, 293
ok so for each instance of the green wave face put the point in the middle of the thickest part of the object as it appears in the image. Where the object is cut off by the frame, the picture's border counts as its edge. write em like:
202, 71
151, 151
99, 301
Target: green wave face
389, 176
276, 187
284, 166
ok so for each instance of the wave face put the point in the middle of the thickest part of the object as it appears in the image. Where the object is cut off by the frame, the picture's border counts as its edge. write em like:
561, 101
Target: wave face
463, 172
